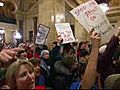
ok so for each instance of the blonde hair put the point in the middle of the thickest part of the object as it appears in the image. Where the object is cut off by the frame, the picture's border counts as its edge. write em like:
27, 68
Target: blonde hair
13, 70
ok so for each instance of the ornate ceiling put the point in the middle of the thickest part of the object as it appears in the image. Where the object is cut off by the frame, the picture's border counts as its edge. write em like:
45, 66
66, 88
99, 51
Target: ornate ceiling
8, 9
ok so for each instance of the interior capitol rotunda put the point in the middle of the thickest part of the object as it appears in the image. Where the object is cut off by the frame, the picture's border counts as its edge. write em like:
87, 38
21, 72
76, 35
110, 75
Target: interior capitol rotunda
26, 15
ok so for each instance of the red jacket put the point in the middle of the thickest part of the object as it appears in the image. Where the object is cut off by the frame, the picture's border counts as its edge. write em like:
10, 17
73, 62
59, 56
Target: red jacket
30, 55
38, 87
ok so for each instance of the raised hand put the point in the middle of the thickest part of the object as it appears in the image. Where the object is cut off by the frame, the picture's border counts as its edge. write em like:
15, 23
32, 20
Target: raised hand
89, 77
59, 39
95, 38
6, 55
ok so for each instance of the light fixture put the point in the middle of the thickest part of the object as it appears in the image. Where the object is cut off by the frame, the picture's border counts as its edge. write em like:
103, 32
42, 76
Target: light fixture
2, 31
17, 35
0, 38
57, 18
1, 4
104, 7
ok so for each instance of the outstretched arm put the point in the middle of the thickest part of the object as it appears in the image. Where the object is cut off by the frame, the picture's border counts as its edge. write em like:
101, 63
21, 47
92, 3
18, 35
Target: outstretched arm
90, 72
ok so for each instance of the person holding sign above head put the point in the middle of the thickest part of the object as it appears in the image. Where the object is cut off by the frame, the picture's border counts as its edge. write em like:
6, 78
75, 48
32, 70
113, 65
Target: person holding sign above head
64, 67
89, 77
105, 63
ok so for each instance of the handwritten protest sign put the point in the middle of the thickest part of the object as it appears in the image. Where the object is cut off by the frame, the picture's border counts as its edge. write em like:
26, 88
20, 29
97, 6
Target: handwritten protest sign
65, 31
90, 16
42, 34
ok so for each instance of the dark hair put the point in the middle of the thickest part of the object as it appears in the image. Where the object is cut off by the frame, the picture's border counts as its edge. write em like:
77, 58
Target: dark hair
55, 43
18, 54
80, 44
68, 60
34, 61
82, 67
1, 46
45, 47
83, 53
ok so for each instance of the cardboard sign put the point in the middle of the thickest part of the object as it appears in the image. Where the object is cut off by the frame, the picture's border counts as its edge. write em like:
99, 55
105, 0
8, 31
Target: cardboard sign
90, 16
42, 34
65, 31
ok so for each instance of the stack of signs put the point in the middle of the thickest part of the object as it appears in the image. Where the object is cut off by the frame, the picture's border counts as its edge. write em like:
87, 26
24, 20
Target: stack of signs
90, 16
42, 34
65, 31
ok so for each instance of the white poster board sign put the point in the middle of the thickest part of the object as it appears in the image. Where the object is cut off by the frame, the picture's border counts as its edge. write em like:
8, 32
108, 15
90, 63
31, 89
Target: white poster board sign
65, 31
42, 34
90, 16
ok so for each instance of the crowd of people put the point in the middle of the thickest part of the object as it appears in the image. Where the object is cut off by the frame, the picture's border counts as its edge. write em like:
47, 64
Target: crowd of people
64, 66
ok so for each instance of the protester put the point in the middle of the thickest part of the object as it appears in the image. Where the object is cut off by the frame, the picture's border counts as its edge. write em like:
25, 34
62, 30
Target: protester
31, 52
63, 77
39, 78
45, 67
81, 51
22, 55
62, 65
89, 77
20, 75
105, 62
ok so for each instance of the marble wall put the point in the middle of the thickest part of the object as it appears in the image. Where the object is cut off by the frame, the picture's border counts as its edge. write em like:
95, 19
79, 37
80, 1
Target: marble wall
50, 12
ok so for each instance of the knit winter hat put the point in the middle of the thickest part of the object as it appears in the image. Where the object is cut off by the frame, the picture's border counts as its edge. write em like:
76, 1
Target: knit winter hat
44, 52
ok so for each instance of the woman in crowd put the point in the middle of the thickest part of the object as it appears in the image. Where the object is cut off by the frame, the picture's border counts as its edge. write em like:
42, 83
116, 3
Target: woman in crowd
39, 78
20, 75
45, 66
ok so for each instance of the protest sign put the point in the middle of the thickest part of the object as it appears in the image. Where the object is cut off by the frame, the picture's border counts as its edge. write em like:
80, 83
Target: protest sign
90, 16
42, 34
65, 31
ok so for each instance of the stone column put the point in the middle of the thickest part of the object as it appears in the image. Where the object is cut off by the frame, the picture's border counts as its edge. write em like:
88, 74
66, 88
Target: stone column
50, 12
35, 28
20, 24
20, 30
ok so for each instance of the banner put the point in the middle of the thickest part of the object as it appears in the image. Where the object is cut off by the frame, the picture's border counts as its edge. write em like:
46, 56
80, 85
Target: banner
90, 16
65, 31
42, 34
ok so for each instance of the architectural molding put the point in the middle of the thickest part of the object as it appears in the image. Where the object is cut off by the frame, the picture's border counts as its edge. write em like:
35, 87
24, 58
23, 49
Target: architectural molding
14, 3
72, 3
113, 11
30, 10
